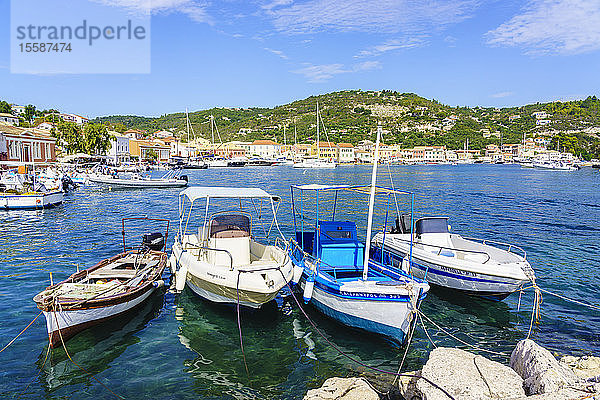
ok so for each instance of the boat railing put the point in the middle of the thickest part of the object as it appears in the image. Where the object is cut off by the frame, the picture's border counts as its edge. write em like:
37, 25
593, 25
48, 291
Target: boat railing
443, 248
212, 249
510, 247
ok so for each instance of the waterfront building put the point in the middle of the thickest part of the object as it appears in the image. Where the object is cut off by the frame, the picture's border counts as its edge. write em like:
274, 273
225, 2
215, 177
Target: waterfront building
26, 145
346, 153
363, 156
46, 126
265, 149
135, 134
301, 150
142, 150
327, 151
9, 119
119, 148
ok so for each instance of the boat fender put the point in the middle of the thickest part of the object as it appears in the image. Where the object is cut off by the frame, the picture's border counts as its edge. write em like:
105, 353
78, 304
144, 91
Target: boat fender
173, 263
405, 265
308, 289
158, 284
180, 278
298, 269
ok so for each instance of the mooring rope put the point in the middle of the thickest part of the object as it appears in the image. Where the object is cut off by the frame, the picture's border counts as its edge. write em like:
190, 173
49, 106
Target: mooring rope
239, 321
37, 375
73, 361
351, 358
20, 333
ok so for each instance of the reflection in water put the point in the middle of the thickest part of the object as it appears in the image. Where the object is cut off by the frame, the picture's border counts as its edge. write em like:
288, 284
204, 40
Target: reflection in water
95, 348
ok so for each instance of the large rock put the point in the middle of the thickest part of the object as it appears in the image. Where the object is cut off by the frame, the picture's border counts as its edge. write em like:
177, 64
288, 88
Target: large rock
343, 389
541, 372
585, 367
467, 376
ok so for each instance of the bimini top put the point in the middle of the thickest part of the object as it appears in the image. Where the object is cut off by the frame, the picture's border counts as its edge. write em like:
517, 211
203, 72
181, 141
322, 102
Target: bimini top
353, 188
205, 192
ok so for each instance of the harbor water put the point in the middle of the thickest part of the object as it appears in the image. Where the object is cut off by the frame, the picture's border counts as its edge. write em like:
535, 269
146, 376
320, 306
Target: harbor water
179, 346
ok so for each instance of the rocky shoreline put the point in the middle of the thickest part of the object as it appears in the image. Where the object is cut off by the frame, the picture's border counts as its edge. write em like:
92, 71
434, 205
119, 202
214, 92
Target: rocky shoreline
533, 374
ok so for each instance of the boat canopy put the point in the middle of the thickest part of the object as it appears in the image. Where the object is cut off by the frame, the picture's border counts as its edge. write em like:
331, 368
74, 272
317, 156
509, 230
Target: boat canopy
353, 188
205, 192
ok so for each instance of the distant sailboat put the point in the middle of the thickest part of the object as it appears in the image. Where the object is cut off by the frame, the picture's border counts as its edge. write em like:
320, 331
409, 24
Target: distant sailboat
318, 162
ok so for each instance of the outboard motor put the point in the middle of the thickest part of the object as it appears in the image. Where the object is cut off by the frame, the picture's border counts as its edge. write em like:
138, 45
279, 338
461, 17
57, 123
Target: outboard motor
153, 241
184, 177
68, 184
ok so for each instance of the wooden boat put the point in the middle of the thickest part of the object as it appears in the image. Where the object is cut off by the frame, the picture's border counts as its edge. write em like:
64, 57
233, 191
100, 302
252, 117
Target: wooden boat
109, 289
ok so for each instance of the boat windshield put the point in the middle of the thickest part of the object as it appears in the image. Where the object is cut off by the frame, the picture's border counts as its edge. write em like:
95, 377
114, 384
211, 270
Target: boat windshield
432, 225
229, 226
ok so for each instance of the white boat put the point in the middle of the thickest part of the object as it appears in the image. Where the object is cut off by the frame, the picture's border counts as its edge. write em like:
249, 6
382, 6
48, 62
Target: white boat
171, 179
23, 192
554, 165
109, 289
484, 268
339, 277
316, 163
223, 262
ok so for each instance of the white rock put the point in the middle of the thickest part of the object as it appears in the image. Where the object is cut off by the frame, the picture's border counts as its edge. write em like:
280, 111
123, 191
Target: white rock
343, 389
541, 372
585, 367
467, 376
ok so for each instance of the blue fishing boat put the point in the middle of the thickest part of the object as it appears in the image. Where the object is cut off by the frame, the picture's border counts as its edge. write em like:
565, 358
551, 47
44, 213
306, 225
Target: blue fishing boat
339, 278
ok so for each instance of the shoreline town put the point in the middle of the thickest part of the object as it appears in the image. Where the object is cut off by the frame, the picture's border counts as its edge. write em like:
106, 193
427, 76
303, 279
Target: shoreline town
377, 286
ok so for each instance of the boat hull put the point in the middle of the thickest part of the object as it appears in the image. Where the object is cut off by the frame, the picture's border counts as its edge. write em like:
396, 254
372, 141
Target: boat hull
131, 183
388, 318
73, 322
222, 294
30, 201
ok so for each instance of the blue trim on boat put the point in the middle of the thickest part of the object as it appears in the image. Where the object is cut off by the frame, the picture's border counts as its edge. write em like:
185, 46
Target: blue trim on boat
53, 205
370, 326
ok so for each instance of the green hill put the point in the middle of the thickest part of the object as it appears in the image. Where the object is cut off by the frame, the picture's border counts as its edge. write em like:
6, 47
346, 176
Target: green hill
351, 116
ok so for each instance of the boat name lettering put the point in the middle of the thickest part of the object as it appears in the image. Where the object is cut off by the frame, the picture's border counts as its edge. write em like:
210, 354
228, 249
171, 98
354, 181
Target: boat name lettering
457, 271
215, 275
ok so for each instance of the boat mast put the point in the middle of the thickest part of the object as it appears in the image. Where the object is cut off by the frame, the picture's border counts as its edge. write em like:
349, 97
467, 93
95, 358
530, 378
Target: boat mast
285, 142
371, 206
187, 120
212, 133
318, 149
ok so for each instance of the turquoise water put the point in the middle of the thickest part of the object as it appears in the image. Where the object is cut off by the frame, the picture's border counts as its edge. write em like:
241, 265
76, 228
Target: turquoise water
179, 346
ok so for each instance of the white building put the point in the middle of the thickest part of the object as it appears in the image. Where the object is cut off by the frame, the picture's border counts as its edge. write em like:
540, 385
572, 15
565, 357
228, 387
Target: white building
540, 115
265, 149
46, 126
346, 153
119, 148
17, 109
9, 119
78, 119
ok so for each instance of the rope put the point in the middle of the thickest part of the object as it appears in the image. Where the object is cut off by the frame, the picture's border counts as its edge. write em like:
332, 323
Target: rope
79, 366
571, 300
37, 375
460, 340
239, 321
425, 330
20, 333
351, 358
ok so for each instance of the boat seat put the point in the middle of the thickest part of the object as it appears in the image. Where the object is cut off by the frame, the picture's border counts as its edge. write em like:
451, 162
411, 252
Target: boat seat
438, 243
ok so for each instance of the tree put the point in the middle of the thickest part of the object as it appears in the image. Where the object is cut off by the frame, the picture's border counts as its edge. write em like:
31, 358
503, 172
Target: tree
119, 127
96, 139
68, 135
151, 155
5, 107
30, 112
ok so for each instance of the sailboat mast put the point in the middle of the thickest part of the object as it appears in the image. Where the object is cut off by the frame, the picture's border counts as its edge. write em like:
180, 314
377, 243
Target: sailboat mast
318, 149
371, 206
212, 133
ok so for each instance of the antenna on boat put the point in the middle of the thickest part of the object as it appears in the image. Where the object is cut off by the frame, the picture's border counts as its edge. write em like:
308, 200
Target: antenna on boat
371, 205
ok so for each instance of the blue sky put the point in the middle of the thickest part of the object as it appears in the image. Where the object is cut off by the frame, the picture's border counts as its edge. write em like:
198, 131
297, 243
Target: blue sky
234, 53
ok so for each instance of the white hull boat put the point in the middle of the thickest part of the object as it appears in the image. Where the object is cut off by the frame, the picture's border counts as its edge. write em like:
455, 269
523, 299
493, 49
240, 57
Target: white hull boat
223, 262
316, 164
31, 200
171, 179
449, 260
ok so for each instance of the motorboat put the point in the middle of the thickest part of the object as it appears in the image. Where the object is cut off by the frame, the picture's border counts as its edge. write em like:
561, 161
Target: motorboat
224, 261
339, 278
555, 165
479, 267
260, 162
109, 289
25, 192
172, 179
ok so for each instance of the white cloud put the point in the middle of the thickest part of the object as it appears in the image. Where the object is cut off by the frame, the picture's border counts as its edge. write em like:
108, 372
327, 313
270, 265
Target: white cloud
384, 16
195, 10
321, 73
552, 27
324, 72
277, 52
276, 3
501, 95
367, 65
391, 45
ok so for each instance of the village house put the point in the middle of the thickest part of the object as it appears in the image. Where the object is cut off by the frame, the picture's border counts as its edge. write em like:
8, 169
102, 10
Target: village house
78, 119
326, 151
26, 145
265, 149
17, 109
346, 153
363, 156
143, 149
540, 115
9, 119
119, 148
